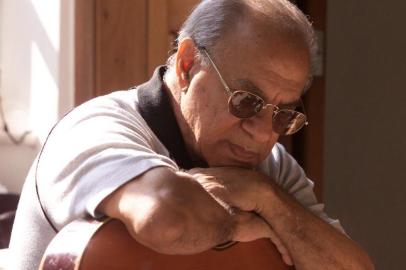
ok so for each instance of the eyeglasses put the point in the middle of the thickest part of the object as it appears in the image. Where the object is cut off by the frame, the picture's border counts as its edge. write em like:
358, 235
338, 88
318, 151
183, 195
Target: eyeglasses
243, 104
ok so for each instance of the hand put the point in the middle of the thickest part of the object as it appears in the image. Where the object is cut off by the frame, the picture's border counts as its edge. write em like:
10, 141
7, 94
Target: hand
239, 189
172, 213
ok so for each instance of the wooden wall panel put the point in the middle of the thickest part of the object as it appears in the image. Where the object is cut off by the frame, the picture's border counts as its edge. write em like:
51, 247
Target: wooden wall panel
165, 17
178, 11
121, 47
158, 34
312, 140
84, 50
120, 42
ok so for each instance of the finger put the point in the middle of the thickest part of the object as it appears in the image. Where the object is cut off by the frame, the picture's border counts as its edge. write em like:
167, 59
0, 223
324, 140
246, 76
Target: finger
287, 259
281, 248
249, 227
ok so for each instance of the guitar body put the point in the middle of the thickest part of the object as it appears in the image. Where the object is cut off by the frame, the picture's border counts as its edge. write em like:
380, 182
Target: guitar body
91, 245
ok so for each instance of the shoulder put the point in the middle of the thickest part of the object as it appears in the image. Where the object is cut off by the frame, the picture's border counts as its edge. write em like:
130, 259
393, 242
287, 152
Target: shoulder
118, 103
105, 129
279, 161
115, 115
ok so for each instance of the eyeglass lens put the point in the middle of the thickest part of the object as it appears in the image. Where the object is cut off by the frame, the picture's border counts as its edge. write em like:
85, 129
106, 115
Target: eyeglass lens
243, 104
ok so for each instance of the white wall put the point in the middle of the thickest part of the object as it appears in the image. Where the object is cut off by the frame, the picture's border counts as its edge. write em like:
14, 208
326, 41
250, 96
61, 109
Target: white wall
365, 175
36, 62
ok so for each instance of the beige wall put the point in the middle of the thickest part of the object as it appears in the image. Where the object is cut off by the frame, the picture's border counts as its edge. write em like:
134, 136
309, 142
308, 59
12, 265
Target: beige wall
365, 145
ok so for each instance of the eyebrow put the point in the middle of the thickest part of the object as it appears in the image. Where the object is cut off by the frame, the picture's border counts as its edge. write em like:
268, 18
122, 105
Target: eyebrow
251, 87
293, 104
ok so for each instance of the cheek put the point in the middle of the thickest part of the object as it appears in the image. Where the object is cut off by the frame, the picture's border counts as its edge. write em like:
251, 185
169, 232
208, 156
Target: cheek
204, 119
215, 147
215, 128
206, 109
208, 123
203, 102
214, 140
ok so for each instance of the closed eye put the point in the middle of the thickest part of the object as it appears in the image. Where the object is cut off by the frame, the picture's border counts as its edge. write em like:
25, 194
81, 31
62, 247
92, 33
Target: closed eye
290, 105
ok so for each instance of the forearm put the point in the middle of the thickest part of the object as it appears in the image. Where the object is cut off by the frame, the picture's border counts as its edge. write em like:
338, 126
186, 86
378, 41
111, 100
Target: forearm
312, 243
169, 212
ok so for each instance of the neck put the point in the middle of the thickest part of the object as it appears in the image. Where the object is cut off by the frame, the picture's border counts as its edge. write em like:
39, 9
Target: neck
175, 96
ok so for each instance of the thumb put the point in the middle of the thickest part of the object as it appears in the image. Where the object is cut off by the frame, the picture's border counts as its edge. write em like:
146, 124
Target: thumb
250, 227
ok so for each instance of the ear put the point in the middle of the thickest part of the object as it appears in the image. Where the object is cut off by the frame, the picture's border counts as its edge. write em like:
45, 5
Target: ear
185, 60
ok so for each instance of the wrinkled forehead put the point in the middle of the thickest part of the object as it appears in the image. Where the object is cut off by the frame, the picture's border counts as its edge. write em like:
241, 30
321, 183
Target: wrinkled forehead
278, 22
265, 62
258, 38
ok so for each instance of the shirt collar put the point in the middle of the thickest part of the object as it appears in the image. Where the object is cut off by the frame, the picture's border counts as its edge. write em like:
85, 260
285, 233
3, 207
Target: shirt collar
156, 109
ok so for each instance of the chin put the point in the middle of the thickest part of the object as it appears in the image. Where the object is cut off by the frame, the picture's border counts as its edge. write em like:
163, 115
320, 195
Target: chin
231, 162
222, 156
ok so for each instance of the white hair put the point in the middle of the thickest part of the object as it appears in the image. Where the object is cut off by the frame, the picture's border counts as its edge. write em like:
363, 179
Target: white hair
212, 19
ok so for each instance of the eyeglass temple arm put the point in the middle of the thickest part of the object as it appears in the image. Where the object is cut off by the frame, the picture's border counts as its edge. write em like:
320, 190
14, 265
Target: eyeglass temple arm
218, 72
304, 111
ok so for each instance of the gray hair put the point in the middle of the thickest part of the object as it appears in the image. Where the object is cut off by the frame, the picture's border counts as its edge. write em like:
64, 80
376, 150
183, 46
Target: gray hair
212, 19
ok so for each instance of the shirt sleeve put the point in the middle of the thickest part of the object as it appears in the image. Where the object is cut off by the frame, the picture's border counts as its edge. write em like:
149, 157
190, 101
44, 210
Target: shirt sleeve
287, 173
92, 151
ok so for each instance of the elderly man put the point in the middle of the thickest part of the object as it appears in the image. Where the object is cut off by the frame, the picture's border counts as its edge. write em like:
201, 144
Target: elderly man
190, 159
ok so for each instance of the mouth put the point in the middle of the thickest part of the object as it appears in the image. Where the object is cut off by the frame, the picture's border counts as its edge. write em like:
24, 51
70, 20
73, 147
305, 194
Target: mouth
242, 154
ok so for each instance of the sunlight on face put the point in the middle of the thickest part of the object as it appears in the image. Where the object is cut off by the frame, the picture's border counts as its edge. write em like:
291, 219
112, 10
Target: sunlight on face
222, 139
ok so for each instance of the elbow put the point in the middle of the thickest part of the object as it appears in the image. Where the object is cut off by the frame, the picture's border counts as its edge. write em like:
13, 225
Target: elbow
161, 232
164, 236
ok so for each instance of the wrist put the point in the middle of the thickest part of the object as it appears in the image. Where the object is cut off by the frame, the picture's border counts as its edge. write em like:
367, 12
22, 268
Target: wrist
270, 204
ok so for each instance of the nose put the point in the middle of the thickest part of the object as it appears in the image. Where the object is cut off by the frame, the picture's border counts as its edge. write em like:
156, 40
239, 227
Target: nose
259, 128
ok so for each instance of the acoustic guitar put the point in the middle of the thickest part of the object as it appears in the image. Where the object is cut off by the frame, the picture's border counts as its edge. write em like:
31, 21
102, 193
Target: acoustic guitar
102, 245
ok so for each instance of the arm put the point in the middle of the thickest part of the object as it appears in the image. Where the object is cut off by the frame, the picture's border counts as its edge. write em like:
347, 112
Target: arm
311, 242
171, 213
